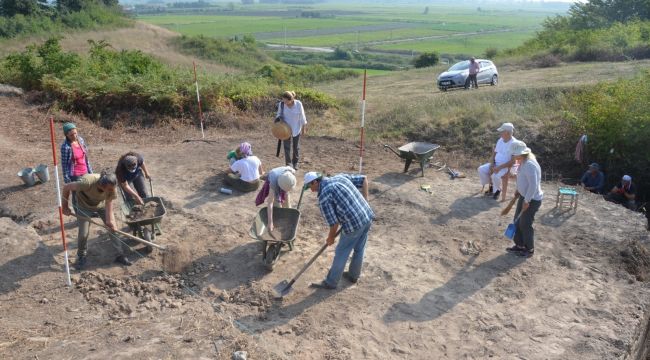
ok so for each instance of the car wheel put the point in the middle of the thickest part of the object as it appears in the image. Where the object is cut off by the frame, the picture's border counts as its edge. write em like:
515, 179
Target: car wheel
495, 80
443, 89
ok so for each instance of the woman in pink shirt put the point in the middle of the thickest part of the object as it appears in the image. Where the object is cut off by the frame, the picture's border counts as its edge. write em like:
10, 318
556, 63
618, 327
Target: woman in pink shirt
74, 155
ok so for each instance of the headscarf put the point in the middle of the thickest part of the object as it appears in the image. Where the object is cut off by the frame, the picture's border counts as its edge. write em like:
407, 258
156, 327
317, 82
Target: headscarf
245, 149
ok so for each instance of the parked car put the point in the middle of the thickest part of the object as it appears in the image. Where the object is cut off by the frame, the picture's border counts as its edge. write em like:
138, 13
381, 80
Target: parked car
458, 75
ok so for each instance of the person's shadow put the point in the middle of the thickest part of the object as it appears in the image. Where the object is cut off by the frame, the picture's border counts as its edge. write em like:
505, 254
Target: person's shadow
465, 208
556, 217
465, 283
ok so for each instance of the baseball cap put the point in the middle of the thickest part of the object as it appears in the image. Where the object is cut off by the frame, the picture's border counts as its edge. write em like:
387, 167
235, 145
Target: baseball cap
506, 127
309, 177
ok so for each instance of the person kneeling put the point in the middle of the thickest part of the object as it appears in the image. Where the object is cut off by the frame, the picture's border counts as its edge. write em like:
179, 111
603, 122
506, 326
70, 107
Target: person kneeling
246, 172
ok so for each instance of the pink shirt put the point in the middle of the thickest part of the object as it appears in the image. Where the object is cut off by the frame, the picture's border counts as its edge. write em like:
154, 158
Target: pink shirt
474, 68
78, 161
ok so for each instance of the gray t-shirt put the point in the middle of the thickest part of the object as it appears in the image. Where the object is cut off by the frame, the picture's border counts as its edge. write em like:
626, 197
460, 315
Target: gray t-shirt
274, 175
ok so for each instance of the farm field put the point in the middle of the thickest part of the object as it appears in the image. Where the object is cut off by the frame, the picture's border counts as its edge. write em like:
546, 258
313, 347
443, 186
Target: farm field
406, 28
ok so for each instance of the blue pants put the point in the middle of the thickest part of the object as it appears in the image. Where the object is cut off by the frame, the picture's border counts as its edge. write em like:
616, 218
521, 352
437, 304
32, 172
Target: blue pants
353, 241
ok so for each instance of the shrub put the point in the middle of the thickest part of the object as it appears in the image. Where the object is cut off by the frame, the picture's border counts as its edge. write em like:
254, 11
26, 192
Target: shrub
426, 59
491, 52
545, 60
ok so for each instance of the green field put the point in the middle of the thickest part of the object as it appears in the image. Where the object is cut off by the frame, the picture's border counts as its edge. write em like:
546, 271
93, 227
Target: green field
449, 30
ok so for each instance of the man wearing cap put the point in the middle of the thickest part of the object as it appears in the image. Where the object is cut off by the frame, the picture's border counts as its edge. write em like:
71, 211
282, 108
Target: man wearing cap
74, 155
93, 195
593, 179
131, 169
277, 189
624, 193
342, 204
492, 172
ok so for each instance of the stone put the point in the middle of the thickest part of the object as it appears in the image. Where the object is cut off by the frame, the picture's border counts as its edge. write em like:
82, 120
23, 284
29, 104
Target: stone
239, 355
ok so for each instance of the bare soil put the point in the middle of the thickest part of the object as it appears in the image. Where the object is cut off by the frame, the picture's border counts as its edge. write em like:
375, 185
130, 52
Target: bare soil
436, 282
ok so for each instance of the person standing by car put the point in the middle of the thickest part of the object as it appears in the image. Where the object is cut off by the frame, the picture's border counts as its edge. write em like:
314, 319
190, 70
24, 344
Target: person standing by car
474, 68
292, 112
131, 169
74, 155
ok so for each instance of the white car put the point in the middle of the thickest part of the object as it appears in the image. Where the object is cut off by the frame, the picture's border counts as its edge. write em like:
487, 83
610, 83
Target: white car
458, 75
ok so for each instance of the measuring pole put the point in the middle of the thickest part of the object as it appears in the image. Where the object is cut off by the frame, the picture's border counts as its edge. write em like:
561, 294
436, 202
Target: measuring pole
198, 100
363, 120
58, 196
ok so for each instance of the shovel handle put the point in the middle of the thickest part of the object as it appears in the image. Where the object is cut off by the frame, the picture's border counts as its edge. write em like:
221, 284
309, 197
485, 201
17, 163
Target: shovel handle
506, 210
311, 261
121, 232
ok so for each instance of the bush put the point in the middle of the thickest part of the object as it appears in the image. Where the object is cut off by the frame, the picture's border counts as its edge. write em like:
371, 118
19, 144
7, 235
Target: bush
491, 52
426, 60
242, 54
545, 60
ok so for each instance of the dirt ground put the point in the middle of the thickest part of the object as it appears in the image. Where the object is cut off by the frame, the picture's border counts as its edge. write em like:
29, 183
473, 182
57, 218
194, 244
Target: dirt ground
425, 292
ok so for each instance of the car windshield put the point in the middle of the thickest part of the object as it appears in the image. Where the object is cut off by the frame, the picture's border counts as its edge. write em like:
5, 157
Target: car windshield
463, 65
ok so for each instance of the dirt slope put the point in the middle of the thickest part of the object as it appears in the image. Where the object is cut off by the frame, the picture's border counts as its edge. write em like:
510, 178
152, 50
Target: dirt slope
421, 295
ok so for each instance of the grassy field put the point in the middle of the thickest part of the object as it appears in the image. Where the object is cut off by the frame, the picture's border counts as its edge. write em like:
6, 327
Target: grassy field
374, 26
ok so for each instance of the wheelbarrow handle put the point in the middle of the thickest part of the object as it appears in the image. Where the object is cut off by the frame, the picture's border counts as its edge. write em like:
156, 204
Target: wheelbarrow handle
391, 149
121, 232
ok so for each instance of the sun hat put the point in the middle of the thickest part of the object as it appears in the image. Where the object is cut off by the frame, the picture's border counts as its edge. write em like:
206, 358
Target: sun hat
246, 149
281, 130
627, 178
519, 148
594, 166
309, 177
67, 127
506, 127
287, 181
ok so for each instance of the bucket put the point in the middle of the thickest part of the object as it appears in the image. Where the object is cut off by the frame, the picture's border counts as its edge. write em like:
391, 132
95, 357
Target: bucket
27, 175
42, 173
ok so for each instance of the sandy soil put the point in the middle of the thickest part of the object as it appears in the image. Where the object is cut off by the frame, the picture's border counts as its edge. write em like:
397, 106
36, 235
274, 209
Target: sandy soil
425, 292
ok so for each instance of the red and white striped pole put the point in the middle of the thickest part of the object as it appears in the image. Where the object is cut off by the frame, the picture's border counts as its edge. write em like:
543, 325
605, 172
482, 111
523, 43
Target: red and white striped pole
198, 100
363, 121
58, 196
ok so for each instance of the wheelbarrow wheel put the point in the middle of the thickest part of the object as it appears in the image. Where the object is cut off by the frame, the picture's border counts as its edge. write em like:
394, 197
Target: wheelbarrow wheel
271, 255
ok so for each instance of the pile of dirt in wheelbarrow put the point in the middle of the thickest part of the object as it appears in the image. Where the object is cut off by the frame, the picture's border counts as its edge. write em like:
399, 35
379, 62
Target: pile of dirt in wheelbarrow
149, 210
636, 260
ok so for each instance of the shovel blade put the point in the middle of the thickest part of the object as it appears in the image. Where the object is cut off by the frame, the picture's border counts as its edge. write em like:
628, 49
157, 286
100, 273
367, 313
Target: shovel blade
282, 289
510, 231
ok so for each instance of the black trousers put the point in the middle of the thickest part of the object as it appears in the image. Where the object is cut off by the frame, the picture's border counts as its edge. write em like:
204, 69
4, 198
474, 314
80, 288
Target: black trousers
525, 234
288, 160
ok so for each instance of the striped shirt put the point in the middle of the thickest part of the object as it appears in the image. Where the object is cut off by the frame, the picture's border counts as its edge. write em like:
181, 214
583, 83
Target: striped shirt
67, 162
341, 202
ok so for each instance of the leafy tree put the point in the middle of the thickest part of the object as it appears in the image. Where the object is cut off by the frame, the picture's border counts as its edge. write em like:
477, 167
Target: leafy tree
426, 59
23, 7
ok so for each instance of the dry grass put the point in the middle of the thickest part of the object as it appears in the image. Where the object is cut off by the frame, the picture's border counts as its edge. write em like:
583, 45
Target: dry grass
148, 38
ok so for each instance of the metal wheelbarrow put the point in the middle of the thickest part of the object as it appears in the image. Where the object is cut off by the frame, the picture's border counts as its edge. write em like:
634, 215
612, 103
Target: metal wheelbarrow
418, 151
285, 222
144, 228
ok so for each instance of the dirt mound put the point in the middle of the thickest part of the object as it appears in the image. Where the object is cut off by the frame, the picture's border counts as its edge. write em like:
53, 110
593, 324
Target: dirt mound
636, 260
252, 294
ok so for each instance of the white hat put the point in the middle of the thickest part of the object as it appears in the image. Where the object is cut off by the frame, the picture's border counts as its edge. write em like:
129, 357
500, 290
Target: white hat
506, 127
309, 177
287, 181
519, 148
627, 178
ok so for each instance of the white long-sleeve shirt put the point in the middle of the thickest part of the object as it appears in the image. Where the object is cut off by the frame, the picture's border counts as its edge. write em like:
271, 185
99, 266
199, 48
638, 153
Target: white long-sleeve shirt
529, 180
294, 116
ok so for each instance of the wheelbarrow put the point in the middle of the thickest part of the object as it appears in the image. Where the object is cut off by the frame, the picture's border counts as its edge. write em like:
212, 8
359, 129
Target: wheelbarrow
285, 222
145, 228
418, 151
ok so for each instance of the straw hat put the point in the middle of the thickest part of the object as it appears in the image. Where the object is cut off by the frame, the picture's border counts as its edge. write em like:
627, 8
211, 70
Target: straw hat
281, 130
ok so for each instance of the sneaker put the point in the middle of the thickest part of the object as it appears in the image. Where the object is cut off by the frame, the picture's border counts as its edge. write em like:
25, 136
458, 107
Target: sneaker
526, 253
121, 259
350, 278
495, 196
295, 166
489, 191
515, 249
322, 285
81, 263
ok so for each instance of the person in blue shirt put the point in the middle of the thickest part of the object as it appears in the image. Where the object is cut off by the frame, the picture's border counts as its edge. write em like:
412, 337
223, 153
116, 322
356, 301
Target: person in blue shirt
593, 179
342, 204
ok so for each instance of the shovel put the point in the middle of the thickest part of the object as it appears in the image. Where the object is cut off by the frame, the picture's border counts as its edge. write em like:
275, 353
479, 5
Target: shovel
160, 247
284, 288
511, 229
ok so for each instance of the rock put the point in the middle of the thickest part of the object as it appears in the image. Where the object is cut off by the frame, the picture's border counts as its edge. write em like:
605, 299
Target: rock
239, 355
284, 331
44, 301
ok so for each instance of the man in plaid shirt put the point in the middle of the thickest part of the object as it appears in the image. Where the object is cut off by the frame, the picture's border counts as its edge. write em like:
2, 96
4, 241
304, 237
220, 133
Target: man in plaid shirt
341, 204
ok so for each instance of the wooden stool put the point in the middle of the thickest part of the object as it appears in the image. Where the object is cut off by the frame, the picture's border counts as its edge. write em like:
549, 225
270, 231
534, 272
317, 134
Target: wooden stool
567, 197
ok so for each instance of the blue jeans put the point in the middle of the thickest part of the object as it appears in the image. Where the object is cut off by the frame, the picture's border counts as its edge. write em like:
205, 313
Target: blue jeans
353, 241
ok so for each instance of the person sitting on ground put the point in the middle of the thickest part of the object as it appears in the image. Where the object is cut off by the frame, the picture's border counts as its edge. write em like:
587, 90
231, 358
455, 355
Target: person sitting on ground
593, 179
492, 172
276, 190
131, 170
93, 194
624, 193
234, 155
74, 155
246, 171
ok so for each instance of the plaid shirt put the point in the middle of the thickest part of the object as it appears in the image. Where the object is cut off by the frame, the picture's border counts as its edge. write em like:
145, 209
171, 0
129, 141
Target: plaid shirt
341, 202
66, 158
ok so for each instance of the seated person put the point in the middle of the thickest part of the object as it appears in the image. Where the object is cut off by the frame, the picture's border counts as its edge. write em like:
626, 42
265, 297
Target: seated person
593, 179
624, 193
246, 171
234, 155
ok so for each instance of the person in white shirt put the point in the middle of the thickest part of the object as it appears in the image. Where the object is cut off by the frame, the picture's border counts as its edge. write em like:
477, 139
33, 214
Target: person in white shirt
292, 112
529, 191
492, 172
246, 171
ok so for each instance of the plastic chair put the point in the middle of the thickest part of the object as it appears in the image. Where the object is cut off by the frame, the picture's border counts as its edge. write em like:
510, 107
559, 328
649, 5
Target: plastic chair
567, 197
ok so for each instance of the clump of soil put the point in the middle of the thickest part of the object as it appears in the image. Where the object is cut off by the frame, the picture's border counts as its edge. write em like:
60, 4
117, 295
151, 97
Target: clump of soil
147, 211
252, 294
120, 297
636, 259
